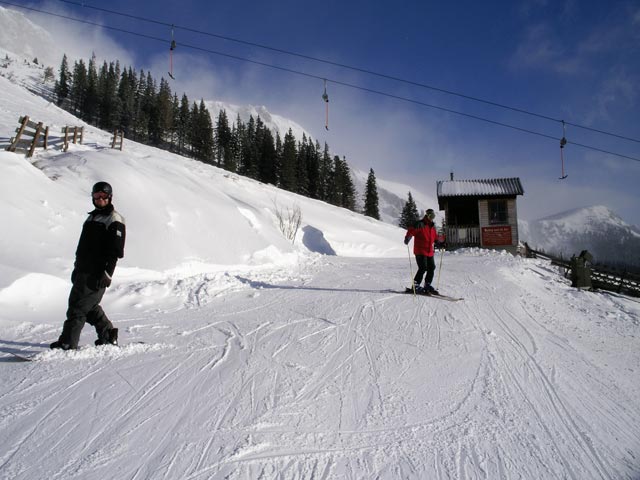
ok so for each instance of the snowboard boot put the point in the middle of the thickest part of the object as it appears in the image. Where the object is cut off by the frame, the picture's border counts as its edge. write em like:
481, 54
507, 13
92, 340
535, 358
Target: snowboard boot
58, 345
111, 339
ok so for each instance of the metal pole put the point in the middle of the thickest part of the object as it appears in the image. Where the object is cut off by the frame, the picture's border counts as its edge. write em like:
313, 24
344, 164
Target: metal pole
413, 285
439, 270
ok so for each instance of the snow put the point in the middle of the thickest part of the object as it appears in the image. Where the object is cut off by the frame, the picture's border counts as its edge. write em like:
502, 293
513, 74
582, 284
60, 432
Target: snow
263, 358
275, 123
488, 187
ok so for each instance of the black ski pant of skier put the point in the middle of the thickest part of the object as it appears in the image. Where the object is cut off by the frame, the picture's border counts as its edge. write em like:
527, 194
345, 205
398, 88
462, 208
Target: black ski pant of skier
425, 265
84, 306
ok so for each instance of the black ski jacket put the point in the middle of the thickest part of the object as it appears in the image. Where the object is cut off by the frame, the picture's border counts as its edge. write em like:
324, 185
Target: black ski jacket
101, 242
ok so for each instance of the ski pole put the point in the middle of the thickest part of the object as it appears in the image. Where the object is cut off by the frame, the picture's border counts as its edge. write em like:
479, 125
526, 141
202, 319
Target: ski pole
413, 284
439, 270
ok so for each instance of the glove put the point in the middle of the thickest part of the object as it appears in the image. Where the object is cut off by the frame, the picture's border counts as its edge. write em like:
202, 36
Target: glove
104, 281
407, 240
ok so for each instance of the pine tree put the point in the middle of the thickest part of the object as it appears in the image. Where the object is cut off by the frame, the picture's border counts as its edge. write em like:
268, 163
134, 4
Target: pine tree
184, 124
302, 177
287, 178
268, 159
175, 119
126, 95
202, 133
236, 157
61, 88
325, 174
348, 187
164, 111
409, 215
342, 191
150, 106
108, 100
314, 162
222, 139
91, 99
78, 89
278, 164
371, 207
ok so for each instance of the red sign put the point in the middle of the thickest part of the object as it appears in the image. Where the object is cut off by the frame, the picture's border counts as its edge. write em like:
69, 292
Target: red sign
496, 236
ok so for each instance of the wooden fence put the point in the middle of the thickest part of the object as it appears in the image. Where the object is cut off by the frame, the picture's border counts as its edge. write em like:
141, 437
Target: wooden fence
117, 141
73, 134
30, 135
603, 277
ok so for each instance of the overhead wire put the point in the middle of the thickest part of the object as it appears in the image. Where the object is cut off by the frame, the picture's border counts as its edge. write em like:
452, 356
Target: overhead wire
349, 67
324, 78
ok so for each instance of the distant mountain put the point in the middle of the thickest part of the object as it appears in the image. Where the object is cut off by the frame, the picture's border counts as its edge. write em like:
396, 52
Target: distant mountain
275, 123
20, 36
391, 196
596, 229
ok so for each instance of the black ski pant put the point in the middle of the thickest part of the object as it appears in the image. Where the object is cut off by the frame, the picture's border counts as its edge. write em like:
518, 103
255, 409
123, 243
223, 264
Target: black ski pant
84, 306
425, 265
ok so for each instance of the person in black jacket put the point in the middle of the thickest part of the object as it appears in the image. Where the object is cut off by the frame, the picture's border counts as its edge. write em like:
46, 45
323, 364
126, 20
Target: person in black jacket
100, 246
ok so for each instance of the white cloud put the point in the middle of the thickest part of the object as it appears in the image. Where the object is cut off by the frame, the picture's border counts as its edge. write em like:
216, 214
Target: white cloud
78, 40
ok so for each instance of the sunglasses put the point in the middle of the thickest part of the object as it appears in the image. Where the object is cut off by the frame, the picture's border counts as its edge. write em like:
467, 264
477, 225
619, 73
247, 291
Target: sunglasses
100, 196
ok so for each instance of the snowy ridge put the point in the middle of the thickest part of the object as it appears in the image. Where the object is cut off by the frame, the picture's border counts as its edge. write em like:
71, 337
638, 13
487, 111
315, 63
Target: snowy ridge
597, 229
21, 37
275, 123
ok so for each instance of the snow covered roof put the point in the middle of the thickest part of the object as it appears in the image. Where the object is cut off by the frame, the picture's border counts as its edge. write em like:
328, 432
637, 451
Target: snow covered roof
480, 188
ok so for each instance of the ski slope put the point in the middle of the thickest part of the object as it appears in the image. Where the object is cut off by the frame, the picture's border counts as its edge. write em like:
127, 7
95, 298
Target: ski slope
245, 355
326, 374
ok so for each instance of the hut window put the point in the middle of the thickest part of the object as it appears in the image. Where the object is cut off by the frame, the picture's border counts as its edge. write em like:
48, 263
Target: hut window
498, 212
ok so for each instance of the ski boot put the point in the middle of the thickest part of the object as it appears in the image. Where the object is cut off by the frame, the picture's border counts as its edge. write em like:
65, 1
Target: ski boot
112, 338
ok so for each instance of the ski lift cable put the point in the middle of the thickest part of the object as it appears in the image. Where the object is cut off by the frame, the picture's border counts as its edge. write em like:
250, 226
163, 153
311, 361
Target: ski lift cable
353, 68
337, 82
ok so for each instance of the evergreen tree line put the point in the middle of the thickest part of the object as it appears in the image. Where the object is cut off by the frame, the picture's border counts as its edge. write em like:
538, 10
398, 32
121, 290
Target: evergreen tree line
111, 97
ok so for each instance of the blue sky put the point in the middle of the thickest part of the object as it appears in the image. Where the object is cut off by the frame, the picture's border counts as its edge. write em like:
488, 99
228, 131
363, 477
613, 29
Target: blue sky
572, 60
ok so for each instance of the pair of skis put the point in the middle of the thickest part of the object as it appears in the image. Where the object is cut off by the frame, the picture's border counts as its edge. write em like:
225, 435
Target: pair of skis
434, 295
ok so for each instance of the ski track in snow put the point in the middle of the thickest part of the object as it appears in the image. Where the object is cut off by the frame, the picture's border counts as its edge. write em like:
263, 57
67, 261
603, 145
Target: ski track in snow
323, 379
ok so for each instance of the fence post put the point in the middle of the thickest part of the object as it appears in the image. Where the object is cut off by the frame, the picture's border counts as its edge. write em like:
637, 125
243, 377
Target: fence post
619, 289
23, 124
35, 140
65, 141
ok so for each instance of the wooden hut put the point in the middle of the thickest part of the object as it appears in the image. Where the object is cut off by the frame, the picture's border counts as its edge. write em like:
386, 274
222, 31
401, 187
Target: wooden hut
480, 213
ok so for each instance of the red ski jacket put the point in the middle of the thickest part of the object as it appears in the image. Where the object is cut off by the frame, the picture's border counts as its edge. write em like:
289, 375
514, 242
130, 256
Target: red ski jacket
425, 234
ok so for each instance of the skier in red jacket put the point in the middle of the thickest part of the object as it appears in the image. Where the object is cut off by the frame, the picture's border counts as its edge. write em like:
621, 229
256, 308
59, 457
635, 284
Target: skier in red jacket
425, 234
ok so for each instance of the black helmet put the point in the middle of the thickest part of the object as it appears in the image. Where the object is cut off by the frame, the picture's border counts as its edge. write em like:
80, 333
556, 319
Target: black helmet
430, 214
103, 187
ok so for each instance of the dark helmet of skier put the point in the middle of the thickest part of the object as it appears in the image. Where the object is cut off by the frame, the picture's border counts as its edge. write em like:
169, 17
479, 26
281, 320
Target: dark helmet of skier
99, 191
102, 187
430, 214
